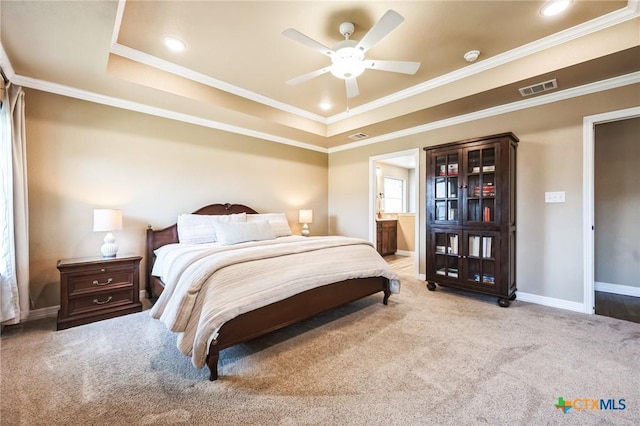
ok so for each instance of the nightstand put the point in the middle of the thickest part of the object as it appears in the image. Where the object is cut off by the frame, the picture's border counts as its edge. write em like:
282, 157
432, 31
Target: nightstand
97, 288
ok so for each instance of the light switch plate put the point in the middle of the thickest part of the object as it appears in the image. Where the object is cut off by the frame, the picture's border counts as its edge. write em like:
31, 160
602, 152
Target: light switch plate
554, 197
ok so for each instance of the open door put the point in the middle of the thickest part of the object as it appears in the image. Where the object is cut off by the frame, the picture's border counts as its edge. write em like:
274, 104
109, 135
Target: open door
589, 220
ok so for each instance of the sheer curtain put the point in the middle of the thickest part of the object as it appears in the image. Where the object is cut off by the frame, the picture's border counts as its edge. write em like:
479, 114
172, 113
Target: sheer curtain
14, 234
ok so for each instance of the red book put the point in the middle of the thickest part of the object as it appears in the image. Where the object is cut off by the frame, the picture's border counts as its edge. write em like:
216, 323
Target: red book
487, 214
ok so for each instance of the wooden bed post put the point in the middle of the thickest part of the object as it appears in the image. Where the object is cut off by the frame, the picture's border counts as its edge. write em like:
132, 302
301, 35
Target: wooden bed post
212, 360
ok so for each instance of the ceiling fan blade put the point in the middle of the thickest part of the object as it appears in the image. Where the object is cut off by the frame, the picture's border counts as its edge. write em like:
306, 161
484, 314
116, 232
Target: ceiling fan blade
352, 88
309, 42
384, 26
308, 76
392, 66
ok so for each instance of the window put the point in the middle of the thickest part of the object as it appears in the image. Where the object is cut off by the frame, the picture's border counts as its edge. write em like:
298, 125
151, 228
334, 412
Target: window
394, 199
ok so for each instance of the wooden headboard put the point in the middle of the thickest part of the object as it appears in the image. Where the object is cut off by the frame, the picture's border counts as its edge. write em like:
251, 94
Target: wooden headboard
169, 235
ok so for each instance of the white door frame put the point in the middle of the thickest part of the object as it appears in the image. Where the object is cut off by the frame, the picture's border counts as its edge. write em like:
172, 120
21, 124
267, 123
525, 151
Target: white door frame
373, 196
588, 203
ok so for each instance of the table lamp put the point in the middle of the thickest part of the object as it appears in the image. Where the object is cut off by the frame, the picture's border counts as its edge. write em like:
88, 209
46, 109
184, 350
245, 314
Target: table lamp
107, 220
305, 217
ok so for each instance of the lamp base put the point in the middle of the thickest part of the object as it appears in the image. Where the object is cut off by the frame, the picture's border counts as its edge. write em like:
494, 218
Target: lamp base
305, 230
109, 248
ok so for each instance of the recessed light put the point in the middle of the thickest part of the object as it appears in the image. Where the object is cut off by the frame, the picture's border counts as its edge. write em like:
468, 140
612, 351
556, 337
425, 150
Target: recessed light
325, 106
554, 7
471, 55
174, 44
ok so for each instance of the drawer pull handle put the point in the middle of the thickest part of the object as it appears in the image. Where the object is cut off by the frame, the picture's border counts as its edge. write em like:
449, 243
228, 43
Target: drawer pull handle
98, 302
109, 281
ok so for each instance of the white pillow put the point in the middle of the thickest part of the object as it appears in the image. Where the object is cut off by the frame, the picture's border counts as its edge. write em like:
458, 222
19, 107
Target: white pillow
198, 228
234, 233
278, 221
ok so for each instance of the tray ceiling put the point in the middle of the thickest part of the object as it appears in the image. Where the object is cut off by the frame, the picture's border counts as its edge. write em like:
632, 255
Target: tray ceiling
233, 71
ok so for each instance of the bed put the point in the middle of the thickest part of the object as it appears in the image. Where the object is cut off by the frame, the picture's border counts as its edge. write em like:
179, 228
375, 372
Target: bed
175, 304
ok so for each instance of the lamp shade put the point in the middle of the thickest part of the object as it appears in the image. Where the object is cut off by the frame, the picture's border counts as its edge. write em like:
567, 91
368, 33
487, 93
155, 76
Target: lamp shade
305, 216
107, 220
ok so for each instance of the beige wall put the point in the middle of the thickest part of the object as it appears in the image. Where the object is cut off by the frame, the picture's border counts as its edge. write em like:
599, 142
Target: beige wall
83, 156
617, 203
549, 236
407, 232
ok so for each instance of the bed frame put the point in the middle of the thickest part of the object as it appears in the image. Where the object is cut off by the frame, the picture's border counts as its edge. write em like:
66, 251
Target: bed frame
271, 317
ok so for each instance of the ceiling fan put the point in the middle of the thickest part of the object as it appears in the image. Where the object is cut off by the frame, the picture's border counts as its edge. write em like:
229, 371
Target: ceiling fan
347, 57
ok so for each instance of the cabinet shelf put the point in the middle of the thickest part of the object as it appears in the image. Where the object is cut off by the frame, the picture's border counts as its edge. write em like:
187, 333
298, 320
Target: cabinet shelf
481, 258
471, 215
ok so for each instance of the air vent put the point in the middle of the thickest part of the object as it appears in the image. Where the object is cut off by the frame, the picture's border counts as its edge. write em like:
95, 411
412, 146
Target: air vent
538, 88
358, 136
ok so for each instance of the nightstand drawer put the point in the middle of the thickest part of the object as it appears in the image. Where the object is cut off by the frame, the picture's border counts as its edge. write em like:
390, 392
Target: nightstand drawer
84, 283
98, 302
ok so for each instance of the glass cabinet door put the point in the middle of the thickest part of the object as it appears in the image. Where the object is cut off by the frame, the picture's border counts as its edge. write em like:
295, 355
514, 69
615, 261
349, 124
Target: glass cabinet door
446, 187
446, 253
481, 257
481, 190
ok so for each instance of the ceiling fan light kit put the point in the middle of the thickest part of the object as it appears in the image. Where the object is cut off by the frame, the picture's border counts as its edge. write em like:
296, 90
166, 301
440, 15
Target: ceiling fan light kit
348, 56
348, 60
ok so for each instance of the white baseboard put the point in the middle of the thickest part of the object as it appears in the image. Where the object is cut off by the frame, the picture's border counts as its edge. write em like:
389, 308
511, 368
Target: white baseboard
52, 311
404, 253
550, 301
543, 300
625, 290
48, 312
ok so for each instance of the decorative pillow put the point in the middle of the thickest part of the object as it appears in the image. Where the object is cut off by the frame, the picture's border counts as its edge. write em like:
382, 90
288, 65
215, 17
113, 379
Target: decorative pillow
234, 233
198, 228
278, 221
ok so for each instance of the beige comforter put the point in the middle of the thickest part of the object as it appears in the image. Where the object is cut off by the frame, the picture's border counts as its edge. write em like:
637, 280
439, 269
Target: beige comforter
207, 287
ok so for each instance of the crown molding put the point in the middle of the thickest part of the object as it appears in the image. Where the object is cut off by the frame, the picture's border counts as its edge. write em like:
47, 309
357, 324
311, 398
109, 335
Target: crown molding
72, 92
612, 83
170, 67
587, 89
631, 11
5, 64
118, 22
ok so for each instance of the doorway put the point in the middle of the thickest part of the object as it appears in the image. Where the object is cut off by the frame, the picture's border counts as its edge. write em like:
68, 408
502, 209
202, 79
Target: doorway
617, 209
589, 201
396, 175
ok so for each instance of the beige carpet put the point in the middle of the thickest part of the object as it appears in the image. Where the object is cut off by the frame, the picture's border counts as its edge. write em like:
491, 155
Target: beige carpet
428, 358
